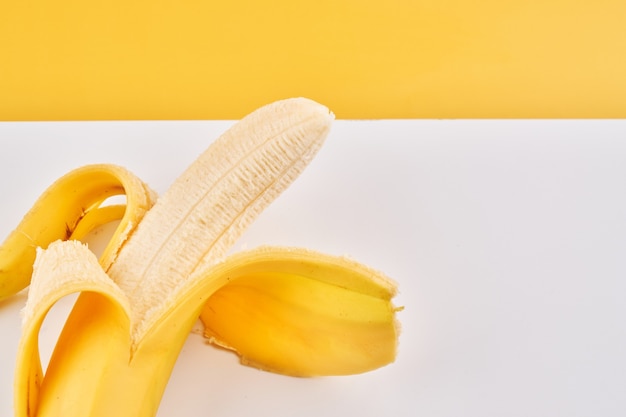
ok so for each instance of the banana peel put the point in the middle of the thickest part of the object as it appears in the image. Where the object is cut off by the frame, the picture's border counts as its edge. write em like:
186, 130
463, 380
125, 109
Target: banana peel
71, 207
286, 310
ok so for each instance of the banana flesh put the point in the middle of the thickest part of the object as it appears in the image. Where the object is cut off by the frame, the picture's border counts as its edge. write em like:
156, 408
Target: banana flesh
286, 310
203, 213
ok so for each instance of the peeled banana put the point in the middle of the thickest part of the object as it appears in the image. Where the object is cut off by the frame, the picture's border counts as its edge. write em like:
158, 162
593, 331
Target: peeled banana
286, 310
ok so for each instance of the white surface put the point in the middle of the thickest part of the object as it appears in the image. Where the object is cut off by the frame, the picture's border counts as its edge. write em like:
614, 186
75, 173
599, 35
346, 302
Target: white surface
507, 239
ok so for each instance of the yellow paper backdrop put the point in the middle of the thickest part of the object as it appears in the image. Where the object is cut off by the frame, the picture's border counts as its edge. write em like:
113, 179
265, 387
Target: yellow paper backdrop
184, 59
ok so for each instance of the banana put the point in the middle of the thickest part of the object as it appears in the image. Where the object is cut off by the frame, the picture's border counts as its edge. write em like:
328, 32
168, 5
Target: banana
68, 205
286, 310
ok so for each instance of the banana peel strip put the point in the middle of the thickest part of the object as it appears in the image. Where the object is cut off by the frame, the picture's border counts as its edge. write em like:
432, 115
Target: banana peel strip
70, 208
99, 216
60, 267
319, 310
316, 314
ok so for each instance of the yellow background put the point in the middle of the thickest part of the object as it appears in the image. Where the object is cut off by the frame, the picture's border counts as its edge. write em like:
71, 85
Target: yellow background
182, 59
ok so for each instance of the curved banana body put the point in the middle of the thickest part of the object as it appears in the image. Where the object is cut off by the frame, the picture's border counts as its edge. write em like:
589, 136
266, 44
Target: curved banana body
286, 310
62, 209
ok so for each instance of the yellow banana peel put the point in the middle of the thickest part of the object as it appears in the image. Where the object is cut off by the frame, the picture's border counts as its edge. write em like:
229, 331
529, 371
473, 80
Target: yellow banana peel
71, 207
286, 310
